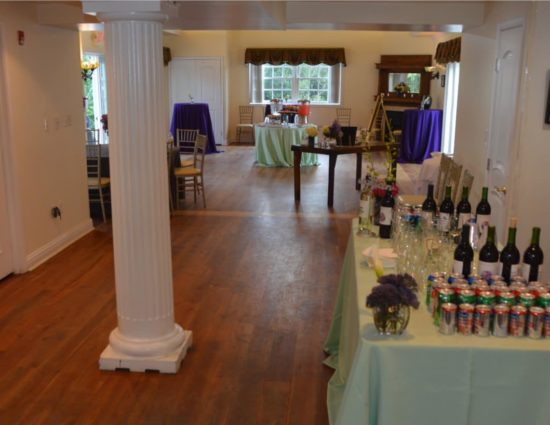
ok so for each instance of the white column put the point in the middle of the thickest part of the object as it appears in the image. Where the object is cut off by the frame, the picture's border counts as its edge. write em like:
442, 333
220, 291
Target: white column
147, 337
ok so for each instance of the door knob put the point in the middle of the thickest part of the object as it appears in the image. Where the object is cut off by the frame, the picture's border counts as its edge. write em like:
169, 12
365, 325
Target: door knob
501, 189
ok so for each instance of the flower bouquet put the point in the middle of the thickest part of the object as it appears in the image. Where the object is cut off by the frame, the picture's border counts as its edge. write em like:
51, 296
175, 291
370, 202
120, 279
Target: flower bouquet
402, 88
391, 301
311, 133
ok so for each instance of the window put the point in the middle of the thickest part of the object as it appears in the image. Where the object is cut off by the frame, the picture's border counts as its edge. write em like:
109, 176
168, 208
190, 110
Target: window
95, 94
320, 84
410, 79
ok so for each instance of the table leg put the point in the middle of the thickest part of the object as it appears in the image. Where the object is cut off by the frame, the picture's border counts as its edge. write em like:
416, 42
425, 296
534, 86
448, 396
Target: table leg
331, 167
297, 162
358, 171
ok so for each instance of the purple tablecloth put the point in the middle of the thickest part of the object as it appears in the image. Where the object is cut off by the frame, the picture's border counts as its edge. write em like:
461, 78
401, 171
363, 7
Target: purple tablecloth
194, 116
421, 134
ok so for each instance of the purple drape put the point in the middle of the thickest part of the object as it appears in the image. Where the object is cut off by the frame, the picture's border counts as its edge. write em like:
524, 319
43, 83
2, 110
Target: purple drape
194, 116
421, 134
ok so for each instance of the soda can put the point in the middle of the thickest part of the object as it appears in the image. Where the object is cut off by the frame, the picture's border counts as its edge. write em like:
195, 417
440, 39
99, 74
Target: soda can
495, 278
547, 322
466, 296
518, 318
478, 286
486, 298
444, 296
501, 320
447, 322
544, 299
535, 322
536, 288
527, 299
507, 298
465, 319
454, 276
482, 320
519, 279
473, 278
499, 287
518, 290
459, 287
438, 286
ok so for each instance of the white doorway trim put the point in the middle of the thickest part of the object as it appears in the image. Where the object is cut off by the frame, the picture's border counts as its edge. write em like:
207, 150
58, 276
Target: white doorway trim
12, 194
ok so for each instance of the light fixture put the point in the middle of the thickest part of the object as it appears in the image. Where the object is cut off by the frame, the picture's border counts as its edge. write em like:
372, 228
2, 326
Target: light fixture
435, 70
87, 68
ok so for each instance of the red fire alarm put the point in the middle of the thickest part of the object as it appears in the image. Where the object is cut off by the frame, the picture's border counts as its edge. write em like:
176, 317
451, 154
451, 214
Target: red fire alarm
21, 37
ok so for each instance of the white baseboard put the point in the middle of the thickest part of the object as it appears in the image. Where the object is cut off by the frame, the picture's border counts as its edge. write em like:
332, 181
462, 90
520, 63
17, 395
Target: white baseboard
45, 252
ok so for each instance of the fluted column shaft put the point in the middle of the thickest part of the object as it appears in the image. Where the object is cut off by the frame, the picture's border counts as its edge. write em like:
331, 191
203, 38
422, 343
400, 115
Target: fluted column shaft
139, 189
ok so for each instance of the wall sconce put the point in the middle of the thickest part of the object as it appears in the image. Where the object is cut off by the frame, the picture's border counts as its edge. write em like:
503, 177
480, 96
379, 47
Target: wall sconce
435, 70
87, 69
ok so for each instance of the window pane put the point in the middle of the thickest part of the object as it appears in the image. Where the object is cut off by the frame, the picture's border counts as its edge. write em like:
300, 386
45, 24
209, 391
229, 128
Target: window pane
268, 95
288, 71
303, 71
303, 84
268, 84
314, 71
323, 96
287, 84
267, 71
323, 84
287, 94
277, 94
277, 72
314, 84
277, 84
323, 72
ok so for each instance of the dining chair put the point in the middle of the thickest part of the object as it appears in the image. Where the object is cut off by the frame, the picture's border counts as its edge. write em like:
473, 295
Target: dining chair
442, 178
343, 115
185, 141
97, 185
467, 181
455, 171
246, 122
192, 178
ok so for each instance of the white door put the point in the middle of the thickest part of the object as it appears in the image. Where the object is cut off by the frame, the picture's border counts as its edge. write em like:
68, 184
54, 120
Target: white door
507, 78
200, 80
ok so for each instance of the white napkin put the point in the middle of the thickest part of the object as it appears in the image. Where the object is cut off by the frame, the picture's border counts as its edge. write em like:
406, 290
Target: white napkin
387, 256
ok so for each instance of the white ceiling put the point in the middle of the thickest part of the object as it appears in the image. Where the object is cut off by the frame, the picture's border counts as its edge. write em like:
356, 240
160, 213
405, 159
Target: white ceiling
445, 16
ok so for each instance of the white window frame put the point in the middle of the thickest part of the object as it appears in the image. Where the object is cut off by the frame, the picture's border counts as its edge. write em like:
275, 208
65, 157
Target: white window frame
257, 84
449, 109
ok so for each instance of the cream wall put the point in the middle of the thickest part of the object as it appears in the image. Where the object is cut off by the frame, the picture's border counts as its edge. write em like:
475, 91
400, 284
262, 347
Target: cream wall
529, 192
360, 77
43, 85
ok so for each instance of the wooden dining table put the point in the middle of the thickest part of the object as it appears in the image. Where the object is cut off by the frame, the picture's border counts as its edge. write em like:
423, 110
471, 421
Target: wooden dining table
333, 152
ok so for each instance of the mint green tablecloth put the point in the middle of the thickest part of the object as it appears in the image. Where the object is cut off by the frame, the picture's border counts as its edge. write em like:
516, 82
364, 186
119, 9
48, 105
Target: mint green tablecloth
423, 377
273, 145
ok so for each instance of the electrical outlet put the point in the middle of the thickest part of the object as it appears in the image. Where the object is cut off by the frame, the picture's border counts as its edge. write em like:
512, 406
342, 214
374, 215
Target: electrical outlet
46, 125
56, 212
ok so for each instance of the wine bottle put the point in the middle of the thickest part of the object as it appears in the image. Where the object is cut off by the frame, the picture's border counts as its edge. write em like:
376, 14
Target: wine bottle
446, 211
429, 206
463, 209
488, 256
386, 214
533, 258
509, 256
464, 254
483, 216
365, 205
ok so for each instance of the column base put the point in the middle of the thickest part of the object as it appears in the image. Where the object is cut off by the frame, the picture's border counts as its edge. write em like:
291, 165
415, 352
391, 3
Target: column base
110, 359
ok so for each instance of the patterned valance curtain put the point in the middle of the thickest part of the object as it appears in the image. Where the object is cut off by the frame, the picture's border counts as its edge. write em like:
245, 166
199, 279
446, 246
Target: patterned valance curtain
449, 51
311, 56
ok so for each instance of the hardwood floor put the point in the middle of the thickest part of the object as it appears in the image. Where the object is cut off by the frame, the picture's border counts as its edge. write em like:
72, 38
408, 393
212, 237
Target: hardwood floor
255, 278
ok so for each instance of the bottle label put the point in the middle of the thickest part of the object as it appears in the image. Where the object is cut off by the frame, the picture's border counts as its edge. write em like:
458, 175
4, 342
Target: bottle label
444, 222
463, 219
386, 214
364, 209
486, 270
514, 270
482, 227
526, 269
458, 266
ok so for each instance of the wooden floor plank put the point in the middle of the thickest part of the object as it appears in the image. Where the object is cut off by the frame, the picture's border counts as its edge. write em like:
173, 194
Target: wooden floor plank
255, 277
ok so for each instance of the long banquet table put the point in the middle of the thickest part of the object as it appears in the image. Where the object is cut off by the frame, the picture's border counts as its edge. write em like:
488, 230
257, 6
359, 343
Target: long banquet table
274, 143
420, 134
423, 377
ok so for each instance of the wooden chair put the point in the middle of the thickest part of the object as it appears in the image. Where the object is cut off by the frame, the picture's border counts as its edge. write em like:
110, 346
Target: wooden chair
192, 178
343, 115
467, 181
246, 122
453, 180
97, 185
442, 178
185, 141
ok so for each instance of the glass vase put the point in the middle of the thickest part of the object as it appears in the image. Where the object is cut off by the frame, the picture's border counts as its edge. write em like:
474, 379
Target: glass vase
392, 320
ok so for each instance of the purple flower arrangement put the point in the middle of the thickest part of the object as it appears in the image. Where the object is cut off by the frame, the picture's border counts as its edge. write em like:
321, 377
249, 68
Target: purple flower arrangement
335, 130
394, 290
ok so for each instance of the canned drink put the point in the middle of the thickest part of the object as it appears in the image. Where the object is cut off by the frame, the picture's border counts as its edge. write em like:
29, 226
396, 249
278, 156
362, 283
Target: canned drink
465, 319
466, 296
519, 279
482, 320
454, 276
507, 298
437, 286
536, 288
527, 299
447, 322
501, 320
535, 322
486, 298
479, 286
459, 287
499, 287
547, 322
444, 296
518, 318
518, 291
473, 278
544, 299
495, 278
